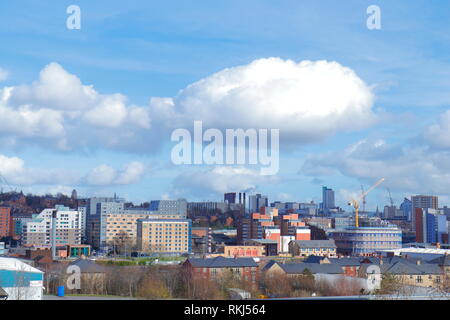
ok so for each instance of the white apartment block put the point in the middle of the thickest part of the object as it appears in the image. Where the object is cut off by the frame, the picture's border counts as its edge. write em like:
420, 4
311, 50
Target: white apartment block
38, 231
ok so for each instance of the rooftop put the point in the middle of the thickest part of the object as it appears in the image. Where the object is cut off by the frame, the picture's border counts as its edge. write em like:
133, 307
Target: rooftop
315, 243
222, 262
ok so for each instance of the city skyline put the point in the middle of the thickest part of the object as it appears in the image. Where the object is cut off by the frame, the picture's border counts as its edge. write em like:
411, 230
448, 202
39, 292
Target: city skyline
93, 109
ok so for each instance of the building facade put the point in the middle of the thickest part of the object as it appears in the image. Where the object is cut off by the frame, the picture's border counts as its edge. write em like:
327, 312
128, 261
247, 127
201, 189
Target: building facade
305, 248
422, 202
97, 211
164, 236
19, 280
366, 240
256, 202
170, 207
38, 231
327, 199
245, 269
5, 221
121, 228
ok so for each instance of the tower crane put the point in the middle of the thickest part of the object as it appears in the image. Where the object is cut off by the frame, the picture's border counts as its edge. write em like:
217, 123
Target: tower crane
355, 202
363, 199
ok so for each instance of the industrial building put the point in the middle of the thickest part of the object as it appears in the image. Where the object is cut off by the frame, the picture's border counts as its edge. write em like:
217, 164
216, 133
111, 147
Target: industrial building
19, 280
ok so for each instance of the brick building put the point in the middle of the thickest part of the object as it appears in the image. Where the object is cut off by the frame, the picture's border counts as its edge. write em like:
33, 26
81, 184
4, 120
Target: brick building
212, 268
5, 221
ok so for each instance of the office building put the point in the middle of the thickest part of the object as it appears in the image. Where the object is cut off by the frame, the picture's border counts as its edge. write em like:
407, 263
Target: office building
171, 207
97, 211
431, 226
256, 202
366, 240
406, 209
423, 202
327, 199
234, 197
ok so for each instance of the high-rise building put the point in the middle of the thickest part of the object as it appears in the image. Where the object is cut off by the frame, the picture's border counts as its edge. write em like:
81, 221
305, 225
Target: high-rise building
5, 221
39, 231
234, 197
423, 202
97, 211
83, 216
327, 199
256, 202
406, 209
431, 226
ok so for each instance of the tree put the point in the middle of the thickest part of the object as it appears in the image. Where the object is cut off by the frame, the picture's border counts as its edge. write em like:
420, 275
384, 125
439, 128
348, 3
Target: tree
277, 285
153, 287
122, 242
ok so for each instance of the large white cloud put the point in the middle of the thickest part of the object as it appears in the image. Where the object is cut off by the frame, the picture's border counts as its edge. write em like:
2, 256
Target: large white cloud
218, 180
307, 101
59, 111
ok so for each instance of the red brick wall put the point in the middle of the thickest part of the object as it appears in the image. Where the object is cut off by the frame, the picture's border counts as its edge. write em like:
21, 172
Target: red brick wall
5, 220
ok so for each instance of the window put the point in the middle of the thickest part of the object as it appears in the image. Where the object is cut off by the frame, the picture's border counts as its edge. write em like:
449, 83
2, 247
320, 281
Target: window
419, 279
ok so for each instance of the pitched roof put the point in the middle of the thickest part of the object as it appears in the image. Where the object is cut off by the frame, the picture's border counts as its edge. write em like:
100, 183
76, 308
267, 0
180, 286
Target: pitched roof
315, 243
222, 262
264, 241
268, 265
87, 266
442, 261
299, 268
313, 259
9, 263
402, 267
346, 262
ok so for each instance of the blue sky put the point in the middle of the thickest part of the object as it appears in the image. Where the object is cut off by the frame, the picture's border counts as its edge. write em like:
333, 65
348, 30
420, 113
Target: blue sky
142, 50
